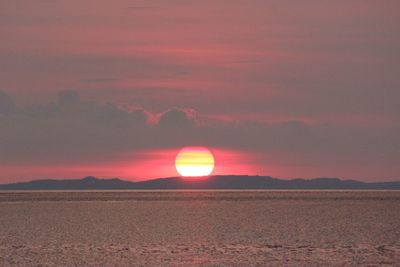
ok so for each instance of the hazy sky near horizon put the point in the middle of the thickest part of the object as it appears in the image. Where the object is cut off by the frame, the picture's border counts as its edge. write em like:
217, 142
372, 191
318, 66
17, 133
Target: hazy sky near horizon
305, 88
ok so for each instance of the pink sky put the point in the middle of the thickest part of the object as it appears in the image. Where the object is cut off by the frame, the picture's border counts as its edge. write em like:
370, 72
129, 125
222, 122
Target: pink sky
285, 88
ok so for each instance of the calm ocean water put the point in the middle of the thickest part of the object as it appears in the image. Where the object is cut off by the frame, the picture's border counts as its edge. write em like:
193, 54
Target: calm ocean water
206, 228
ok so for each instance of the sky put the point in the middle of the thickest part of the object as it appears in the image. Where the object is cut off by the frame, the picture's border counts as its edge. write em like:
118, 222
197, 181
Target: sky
284, 88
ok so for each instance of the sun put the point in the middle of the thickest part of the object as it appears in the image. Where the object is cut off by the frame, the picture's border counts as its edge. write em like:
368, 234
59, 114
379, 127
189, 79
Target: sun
194, 162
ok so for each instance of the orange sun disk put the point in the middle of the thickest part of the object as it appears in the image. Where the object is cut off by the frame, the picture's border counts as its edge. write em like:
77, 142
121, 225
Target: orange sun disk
194, 162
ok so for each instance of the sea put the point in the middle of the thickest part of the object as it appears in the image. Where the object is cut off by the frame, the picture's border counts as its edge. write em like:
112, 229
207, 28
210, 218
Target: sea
200, 228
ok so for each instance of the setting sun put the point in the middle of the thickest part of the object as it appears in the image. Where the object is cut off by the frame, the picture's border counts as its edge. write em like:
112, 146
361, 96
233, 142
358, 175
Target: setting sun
194, 161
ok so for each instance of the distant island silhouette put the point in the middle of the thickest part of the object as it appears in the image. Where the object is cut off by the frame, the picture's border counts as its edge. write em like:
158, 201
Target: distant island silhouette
211, 182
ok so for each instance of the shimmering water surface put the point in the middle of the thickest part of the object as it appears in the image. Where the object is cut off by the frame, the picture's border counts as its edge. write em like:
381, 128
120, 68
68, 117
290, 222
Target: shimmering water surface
206, 228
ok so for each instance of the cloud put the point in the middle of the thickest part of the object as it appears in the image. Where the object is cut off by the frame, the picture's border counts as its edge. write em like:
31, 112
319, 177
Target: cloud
74, 131
6, 104
68, 98
98, 80
57, 132
176, 117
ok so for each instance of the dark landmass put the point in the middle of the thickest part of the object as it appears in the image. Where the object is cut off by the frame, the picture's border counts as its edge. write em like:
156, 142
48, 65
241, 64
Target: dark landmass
212, 182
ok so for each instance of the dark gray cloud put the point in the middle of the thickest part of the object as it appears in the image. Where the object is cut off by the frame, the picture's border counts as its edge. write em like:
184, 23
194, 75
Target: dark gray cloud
76, 131
176, 118
68, 98
6, 104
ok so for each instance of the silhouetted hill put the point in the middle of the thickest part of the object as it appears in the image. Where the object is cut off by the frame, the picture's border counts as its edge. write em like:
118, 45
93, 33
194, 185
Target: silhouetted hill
70, 184
212, 182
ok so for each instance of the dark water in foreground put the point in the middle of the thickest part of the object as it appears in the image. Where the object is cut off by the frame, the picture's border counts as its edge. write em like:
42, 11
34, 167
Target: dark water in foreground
206, 228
